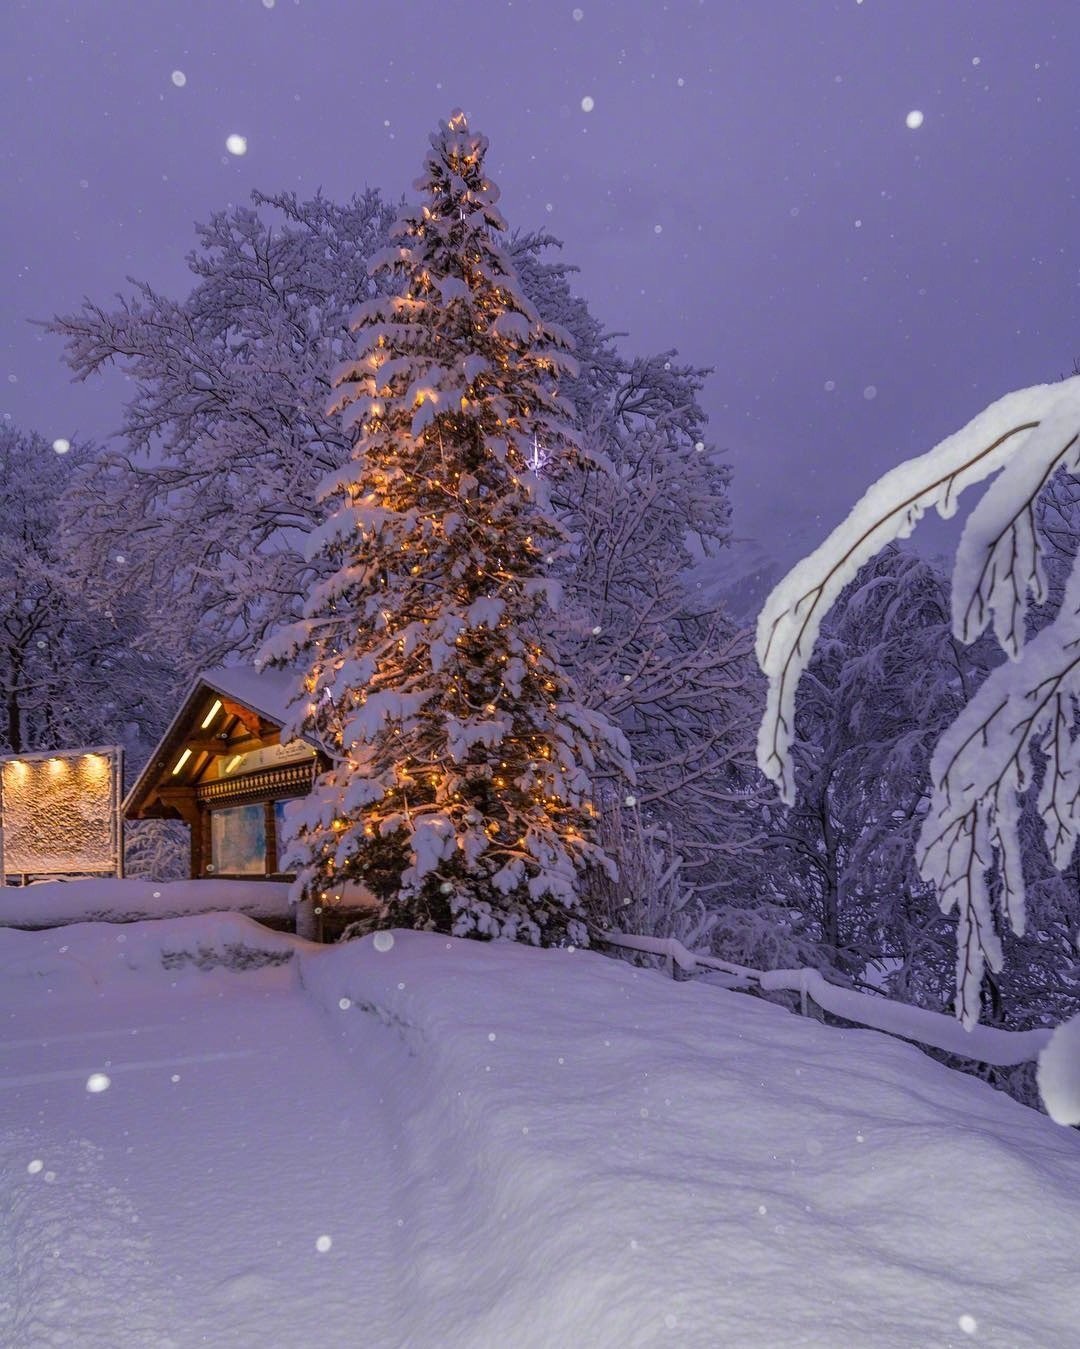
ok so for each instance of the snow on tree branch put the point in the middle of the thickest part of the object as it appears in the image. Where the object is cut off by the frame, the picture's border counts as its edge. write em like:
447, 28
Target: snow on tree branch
999, 560
969, 844
890, 509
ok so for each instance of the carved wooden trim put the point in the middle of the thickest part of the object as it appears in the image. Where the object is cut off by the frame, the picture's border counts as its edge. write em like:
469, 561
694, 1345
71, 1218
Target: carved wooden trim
266, 784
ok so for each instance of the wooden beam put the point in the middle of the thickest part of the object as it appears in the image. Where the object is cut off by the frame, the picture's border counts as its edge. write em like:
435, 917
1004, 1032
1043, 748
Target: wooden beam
248, 718
217, 744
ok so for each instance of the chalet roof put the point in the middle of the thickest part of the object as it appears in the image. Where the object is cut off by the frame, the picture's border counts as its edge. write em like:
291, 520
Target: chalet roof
266, 692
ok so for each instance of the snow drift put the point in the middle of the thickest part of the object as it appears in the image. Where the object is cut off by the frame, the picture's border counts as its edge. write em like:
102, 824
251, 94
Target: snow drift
558, 1149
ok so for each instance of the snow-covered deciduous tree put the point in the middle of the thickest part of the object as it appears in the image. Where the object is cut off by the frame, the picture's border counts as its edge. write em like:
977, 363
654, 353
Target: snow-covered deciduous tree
68, 676
459, 792
210, 492
645, 503
71, 675
886, 677
969, 842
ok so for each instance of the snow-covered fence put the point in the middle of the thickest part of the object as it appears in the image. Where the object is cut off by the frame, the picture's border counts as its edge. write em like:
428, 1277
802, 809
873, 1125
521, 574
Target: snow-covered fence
983, 1044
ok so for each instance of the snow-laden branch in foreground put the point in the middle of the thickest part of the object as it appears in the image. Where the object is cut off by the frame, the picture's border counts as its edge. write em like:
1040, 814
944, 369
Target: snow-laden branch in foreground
983, 761
891, 508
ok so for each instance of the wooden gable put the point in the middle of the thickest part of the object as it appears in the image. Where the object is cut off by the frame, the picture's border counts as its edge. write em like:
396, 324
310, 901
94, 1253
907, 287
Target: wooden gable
223, 753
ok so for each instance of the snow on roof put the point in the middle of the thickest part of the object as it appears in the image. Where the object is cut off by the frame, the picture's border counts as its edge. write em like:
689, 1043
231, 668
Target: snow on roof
266, 692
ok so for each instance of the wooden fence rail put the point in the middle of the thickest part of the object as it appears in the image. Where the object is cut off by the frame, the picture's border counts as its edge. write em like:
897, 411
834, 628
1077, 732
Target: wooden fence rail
983, 1044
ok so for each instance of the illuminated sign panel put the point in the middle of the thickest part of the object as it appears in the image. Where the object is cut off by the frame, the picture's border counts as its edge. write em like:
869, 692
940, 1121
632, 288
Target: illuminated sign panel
61, 813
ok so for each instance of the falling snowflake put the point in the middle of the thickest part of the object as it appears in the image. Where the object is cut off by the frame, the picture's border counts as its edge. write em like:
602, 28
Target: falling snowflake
382, 941
35, 1166
870, 392
60, 445
913, 120
179, 78
97, 1082
587, 103
236, 145
968, 1324
323, 1243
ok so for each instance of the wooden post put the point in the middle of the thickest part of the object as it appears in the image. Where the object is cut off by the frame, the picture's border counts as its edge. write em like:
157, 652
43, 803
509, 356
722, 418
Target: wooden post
182, 800
271, 866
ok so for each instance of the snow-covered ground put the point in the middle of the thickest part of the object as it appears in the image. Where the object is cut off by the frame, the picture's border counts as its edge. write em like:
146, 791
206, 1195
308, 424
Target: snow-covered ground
106, 899
413, 1140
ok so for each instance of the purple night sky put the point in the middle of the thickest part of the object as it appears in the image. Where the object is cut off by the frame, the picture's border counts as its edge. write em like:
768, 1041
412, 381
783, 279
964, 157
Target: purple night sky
744, 187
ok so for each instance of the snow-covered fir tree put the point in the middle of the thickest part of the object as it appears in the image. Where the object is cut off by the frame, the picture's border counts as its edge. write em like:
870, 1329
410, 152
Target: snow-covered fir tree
228, 419
459, 789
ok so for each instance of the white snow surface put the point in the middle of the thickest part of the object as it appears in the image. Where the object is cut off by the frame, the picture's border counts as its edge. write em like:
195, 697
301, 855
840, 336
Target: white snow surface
106, 899
268, 690
415, 1140
1059, 1073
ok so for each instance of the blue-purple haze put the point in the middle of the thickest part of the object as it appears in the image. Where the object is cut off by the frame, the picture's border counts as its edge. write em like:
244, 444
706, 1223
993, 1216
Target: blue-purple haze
744, 187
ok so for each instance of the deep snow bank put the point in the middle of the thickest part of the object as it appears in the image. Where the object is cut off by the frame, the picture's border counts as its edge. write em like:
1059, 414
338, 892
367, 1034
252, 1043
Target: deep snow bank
105, 899
602, 1156
584, 1153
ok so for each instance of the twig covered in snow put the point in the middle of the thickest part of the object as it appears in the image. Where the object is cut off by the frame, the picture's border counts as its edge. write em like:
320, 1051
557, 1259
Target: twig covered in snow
969, 843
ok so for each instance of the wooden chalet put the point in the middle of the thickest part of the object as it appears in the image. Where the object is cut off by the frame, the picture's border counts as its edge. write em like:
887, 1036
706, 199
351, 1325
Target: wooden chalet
221, 768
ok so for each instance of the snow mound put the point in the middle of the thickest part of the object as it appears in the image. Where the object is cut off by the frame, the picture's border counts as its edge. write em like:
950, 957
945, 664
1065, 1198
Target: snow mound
95, 954
1059, 1073
414, 1139
599, 1155
105, 899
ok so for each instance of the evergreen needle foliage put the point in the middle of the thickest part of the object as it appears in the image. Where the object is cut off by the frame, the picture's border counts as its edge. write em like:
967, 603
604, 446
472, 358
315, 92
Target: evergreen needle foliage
458, 792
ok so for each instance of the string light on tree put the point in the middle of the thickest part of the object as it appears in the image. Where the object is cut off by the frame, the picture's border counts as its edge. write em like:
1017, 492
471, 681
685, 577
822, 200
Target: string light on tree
461, 755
